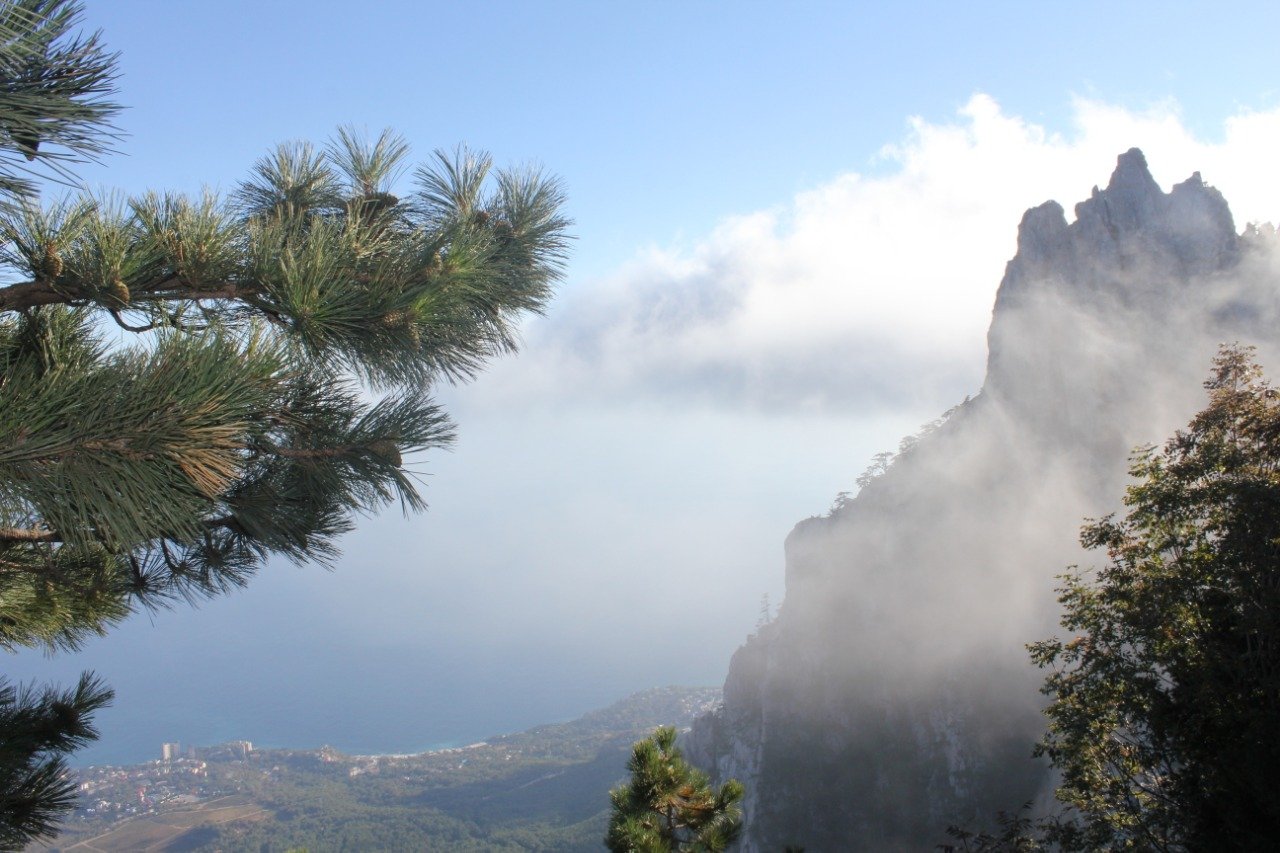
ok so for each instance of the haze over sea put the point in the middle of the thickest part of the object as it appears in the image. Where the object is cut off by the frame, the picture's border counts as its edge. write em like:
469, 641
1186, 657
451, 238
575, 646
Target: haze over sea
216, 679
420, 705
790, 231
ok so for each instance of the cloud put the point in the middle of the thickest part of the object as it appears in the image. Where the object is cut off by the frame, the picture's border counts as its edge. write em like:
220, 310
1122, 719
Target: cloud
619, 459
872, 292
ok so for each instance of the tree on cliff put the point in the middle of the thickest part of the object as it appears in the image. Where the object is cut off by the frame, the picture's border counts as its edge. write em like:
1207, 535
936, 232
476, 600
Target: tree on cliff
1166, 704
670, 805
238, 426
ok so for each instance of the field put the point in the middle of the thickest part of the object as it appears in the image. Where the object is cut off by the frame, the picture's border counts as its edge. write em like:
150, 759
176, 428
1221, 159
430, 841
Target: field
170, 831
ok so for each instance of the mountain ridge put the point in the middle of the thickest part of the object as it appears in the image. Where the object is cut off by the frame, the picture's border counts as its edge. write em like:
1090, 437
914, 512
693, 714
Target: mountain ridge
892, 695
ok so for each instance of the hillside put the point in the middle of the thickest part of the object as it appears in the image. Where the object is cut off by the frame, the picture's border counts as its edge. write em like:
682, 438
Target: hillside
542, 789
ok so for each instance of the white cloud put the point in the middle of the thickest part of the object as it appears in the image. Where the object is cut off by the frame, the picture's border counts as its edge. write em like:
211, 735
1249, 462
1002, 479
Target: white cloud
874, 290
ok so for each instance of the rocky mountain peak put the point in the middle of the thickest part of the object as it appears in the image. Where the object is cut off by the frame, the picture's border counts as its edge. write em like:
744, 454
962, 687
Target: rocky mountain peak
1132, 197
1132, 246
1187, 231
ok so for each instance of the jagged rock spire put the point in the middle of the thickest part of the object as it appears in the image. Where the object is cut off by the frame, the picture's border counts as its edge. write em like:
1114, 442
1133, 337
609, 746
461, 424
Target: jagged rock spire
1191, 226
1132, 199
1131, 245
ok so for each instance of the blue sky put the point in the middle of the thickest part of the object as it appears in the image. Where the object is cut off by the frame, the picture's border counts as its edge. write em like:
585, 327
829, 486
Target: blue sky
663, 116
791, 221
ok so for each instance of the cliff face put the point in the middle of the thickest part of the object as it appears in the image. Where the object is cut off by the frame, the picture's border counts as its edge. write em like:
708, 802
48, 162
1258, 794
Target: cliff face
892, 695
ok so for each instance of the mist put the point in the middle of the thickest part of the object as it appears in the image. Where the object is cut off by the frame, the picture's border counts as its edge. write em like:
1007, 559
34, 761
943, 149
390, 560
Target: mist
893, 696
630, 477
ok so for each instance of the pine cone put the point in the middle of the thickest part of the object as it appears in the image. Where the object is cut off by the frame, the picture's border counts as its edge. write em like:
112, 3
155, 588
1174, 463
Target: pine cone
52, 266
403, 321
119, 290
386, 449
396, 319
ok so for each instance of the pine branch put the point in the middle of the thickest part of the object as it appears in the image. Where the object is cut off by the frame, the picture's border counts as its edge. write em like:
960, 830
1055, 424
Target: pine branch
26, 295
19, 535
54, 91
29, 534
38, 728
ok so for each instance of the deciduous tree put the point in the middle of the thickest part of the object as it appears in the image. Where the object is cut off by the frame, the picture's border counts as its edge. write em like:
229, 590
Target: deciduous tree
1166, 699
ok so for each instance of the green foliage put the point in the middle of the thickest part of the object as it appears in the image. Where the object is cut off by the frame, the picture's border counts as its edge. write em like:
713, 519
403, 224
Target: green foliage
37, 729
669, 804
241, 429
287, 342
54, 91
1166, 701
1018, 833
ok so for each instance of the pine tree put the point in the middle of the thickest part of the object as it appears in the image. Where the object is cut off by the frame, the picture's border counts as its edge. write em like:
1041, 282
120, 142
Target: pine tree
670, 805
285, 343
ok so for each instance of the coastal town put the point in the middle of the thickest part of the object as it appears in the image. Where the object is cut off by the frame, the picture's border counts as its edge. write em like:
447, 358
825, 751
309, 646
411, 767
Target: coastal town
193, 788
549, 784
179, 777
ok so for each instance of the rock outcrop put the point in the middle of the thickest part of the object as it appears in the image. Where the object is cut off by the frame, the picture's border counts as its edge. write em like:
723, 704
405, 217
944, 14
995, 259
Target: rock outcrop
892, 695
